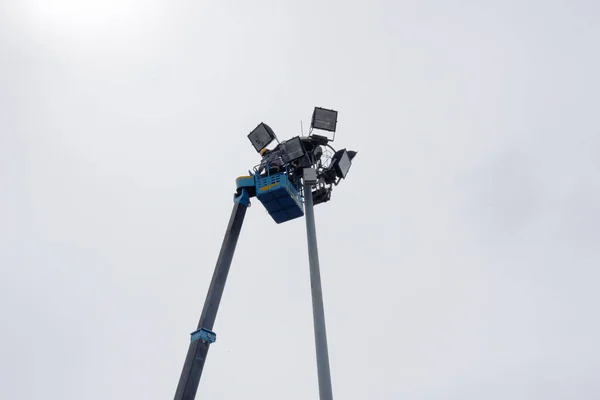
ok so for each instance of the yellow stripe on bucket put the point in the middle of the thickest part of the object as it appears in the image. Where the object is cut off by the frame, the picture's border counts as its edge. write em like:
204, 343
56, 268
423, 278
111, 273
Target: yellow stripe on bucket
269, 186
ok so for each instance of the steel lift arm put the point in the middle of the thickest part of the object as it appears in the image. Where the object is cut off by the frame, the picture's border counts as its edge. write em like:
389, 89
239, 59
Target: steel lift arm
202, 338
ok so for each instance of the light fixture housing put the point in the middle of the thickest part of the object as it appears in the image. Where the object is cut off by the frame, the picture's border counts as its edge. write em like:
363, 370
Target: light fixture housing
321, 195
324, 119
292, 149
341, 163
261, 136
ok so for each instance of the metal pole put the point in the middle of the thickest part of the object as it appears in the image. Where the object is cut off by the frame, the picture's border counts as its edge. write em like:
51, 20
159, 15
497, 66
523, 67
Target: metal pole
196, 355
324, 375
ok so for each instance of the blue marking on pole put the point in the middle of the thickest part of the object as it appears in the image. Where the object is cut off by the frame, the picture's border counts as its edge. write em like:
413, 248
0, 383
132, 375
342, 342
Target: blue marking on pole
242, 198
203, 334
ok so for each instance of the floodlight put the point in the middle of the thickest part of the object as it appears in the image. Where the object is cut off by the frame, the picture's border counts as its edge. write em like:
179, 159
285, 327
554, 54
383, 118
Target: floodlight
321, 195
261, 136
292, 149
342, 160
343, 165
324, 119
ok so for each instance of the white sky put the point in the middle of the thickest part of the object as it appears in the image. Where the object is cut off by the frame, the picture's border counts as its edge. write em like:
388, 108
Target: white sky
459, 259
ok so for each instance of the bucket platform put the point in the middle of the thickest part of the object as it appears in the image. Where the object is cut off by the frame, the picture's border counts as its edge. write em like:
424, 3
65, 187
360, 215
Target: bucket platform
279, 196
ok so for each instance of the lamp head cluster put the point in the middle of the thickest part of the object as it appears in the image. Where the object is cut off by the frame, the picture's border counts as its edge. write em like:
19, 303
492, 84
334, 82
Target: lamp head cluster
312, 151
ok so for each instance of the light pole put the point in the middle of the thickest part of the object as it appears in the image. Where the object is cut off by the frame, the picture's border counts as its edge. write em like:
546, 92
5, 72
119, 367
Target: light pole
321, 177
323, 372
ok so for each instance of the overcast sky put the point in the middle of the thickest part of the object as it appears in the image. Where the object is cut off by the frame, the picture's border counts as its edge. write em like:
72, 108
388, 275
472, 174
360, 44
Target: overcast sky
459, 259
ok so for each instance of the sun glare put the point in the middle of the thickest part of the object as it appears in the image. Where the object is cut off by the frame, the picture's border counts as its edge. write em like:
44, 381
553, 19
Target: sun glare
84, 15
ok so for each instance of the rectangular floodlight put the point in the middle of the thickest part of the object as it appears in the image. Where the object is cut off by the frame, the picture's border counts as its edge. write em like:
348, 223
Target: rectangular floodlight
293, 149
342, 164
324, 119
261, 136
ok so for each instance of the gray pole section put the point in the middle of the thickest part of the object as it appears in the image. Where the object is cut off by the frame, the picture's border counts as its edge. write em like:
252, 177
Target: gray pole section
198, 349
325, 391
